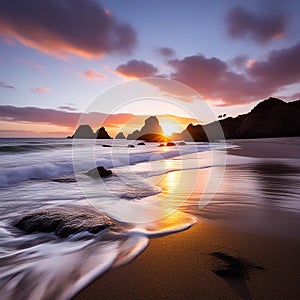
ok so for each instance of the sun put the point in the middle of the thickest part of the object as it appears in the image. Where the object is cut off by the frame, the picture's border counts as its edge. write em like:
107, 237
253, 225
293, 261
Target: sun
170, 126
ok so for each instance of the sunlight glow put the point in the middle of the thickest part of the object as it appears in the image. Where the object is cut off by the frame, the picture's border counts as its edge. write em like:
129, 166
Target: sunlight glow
170, 125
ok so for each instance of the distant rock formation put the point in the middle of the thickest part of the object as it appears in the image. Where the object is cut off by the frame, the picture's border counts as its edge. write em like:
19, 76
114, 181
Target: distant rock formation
64, 221
101, 133
120, 136
86, 132
150, 132
268, 119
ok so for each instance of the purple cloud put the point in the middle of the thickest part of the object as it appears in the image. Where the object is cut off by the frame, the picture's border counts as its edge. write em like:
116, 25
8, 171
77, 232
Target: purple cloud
214, 80
81, 27
166, 52
281, 68
260, 27
137, 69
6, 86
67, 107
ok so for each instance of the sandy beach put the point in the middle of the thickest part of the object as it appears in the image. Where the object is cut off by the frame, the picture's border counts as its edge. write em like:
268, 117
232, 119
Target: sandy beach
235, 251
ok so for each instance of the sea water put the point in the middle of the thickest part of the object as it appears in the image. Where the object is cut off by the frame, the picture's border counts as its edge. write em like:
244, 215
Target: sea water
153, 191
42, 265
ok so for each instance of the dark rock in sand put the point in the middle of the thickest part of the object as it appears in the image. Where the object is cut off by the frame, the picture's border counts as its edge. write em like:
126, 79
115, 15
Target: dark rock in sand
234, 267
170, 144
130, 146
99, 172
107, 146
64, 221
161, 145
141, 144
181, 143
120, 136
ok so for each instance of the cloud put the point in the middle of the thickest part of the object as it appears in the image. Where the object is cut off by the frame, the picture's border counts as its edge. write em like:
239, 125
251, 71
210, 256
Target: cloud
61, 28
31, 63
166, 52
59, 117
238, 62
281, 68
41, 90
137, 69
93, 75
214, 79
6, 86
261, 28
67, 107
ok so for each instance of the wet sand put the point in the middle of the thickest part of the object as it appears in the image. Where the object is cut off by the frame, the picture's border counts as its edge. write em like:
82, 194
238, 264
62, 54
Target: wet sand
239, 252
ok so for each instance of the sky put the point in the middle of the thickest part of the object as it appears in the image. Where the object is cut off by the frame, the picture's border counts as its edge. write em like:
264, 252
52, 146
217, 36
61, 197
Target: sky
60, 57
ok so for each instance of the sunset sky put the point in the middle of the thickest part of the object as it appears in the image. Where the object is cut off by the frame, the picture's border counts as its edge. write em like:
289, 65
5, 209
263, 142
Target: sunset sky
57, 57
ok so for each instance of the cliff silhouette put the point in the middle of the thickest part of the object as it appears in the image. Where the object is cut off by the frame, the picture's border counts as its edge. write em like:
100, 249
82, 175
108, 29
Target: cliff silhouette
268, 119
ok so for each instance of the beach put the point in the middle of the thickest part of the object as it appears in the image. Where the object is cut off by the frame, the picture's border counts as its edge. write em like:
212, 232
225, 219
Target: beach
253, 222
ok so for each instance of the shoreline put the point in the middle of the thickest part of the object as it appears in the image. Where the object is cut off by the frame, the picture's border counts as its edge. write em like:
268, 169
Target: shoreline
181, 265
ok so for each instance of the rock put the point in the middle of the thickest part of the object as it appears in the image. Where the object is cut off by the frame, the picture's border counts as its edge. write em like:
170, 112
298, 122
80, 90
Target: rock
105, 145
130, 146
134, 135
64, 179
120, 136
150, 132
84, 132
161, 145
181, 143
141, 144
170, 144
99, 172
101, 133
153, 137
64, 221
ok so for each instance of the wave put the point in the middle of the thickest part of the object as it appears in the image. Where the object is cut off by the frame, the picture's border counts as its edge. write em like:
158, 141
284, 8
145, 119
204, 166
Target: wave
46, 170
30, 148
44, 266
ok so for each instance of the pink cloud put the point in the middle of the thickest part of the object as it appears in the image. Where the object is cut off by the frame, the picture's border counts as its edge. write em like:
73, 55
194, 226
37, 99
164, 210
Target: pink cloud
137, 69
260, 27
40, 90
31, 63
81, 27
93, 75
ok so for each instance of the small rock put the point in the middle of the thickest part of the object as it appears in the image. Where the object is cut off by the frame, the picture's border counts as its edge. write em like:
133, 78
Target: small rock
141, 144
64, 221
99, 171
131, 146
169, 144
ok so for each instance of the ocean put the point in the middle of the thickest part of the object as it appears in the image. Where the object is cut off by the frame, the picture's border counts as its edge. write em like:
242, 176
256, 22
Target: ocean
153, 191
